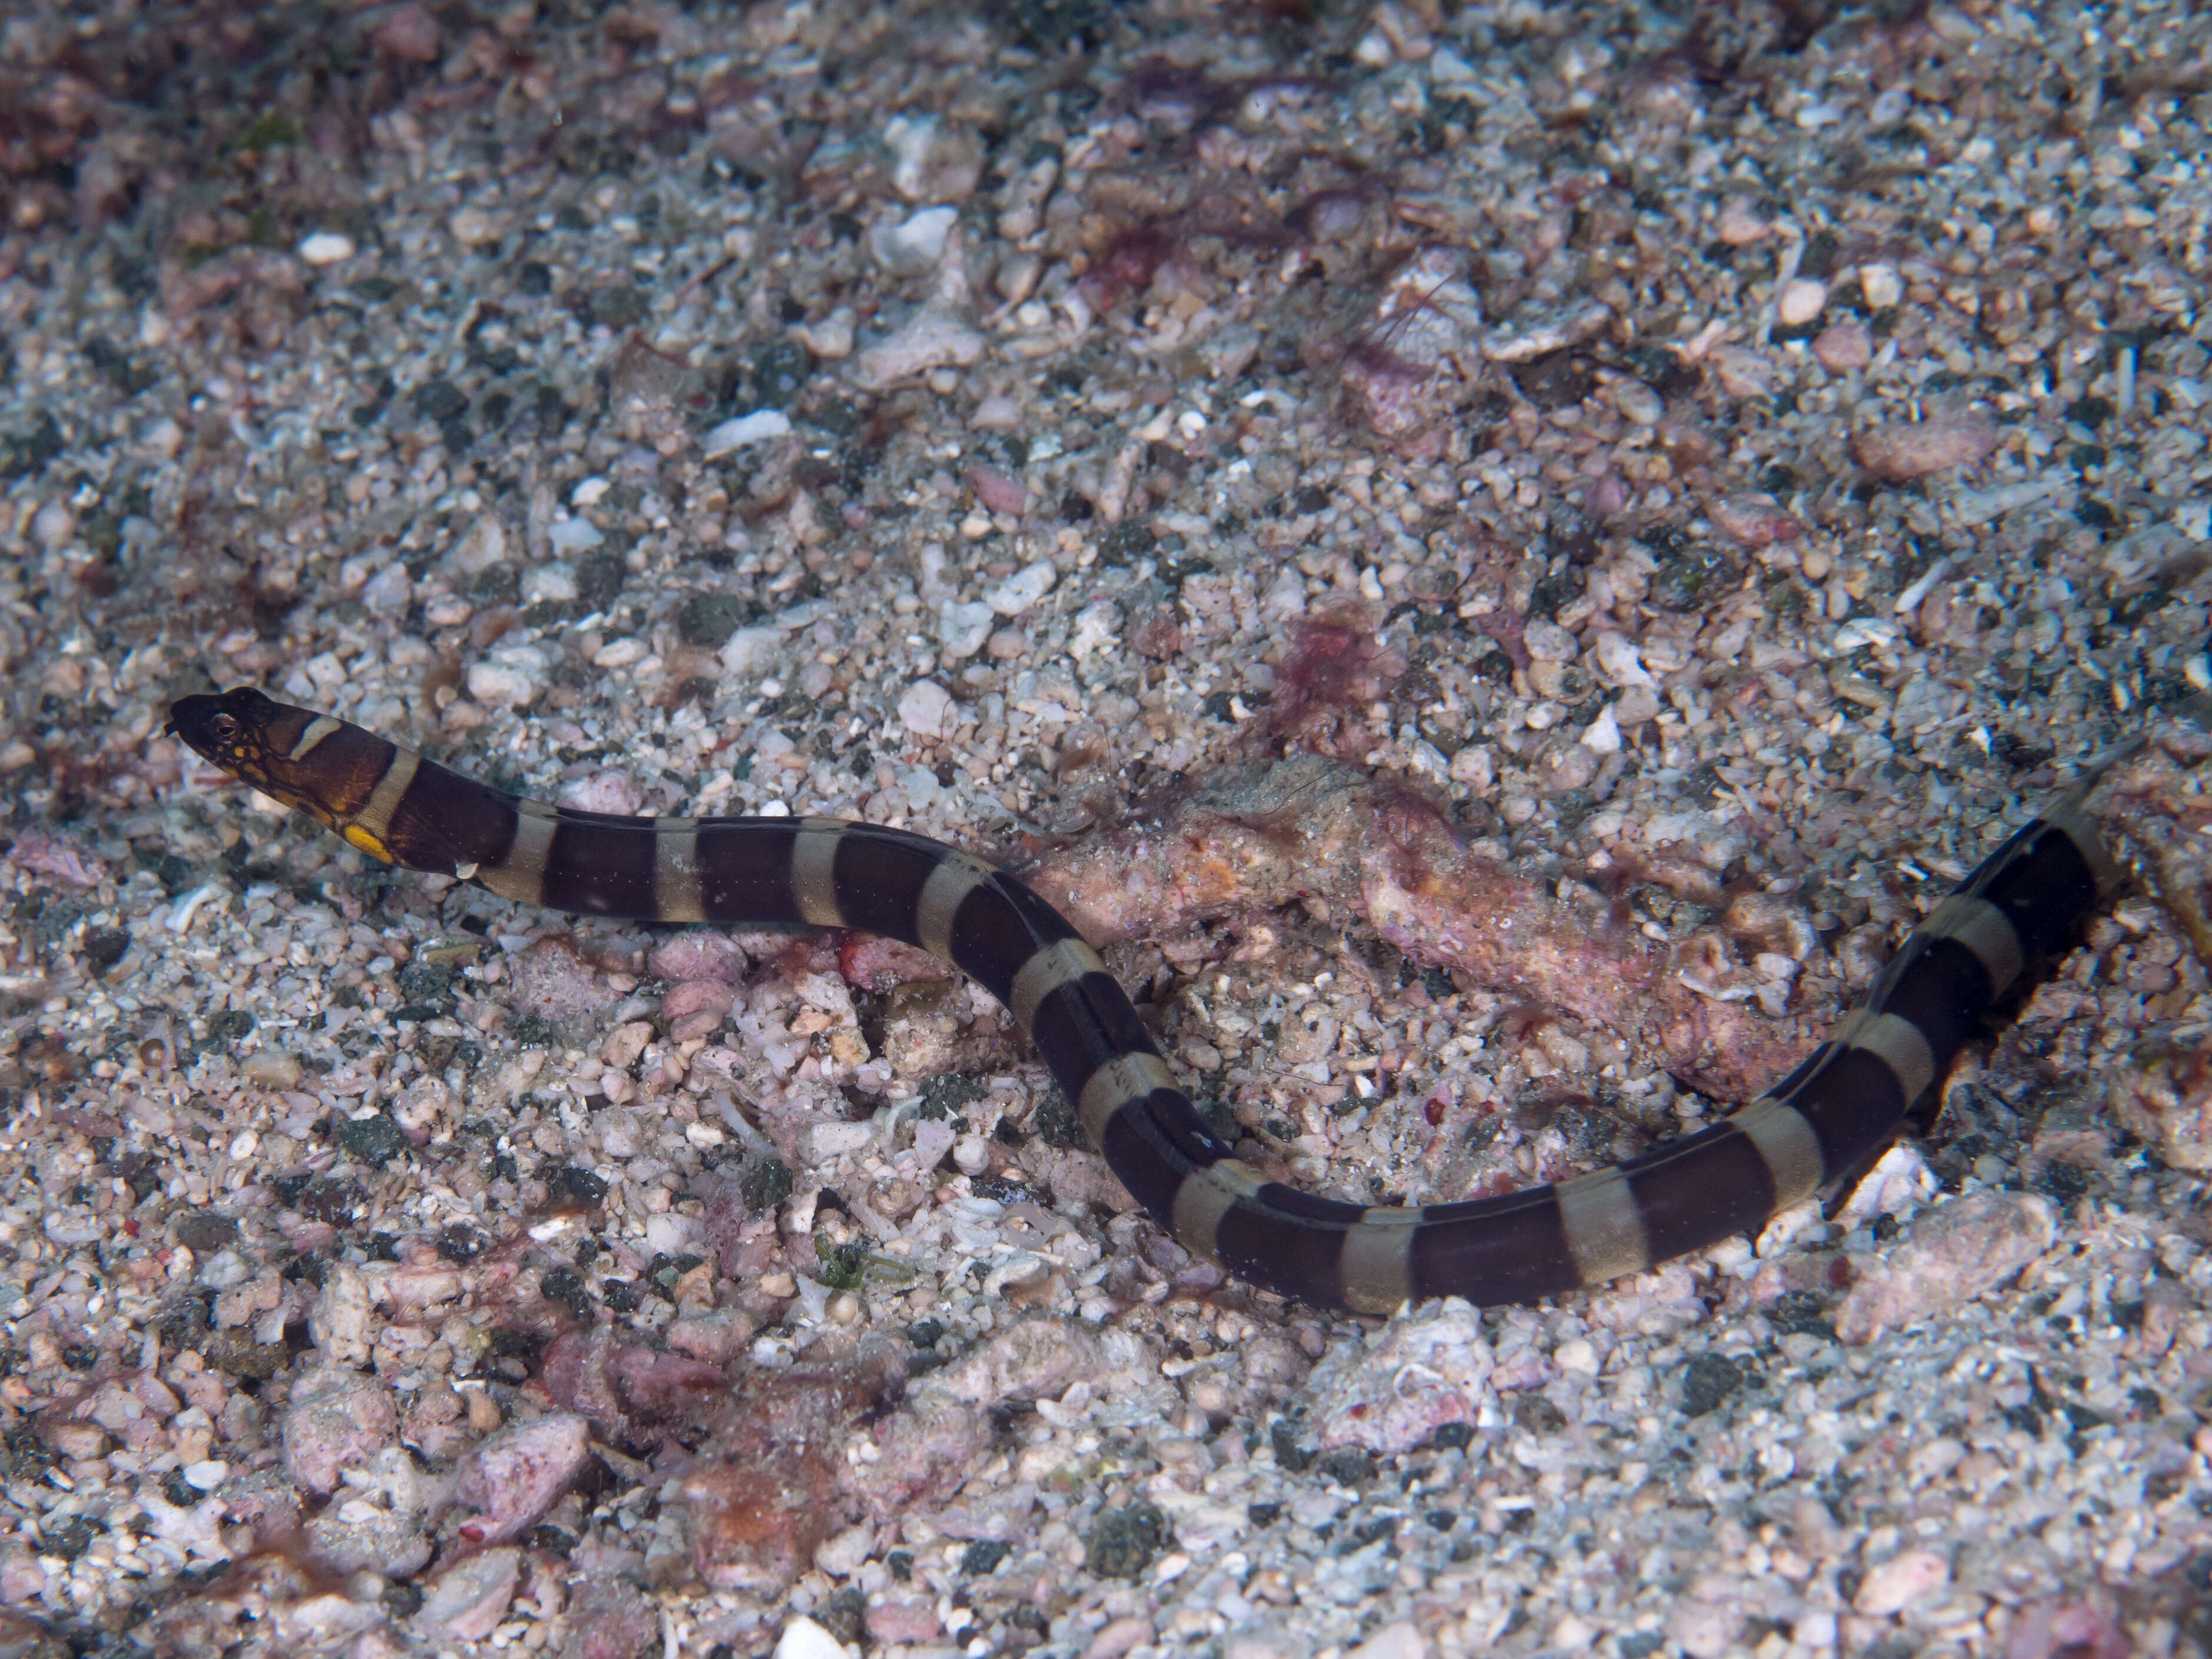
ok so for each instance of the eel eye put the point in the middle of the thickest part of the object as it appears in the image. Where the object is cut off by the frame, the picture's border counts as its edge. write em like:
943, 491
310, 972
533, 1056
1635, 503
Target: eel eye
225, 727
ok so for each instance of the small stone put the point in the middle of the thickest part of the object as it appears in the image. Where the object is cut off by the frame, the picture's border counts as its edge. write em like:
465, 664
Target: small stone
1473, 767
1881, 286
54, 523
729, 436
927, 709
1572, 767
1399, 1641
326, 247
1900, 1582
1754, 521
1575, 1354
1016, 278
933, 337
203, 1231
963, 628
916, 244
802, 1638
1097, 626
998, 493
1119, 1637
609, 1619
473, 227
900, 1622
337, 1418
751, 651
467, 1600
618, 306
1741, 224
1742, 372
408, 34
272, 1068
349, 1538
1022, 590
845, 1554
1913, 449
830, 337
1637, 704
519, 1474
1549, 642
22, 1577
1602, 737
1842, 347
1638, 403
514, 675
1803, 298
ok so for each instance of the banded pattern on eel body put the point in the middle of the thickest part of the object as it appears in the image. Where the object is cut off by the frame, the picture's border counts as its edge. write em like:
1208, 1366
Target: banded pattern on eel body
1819, 1124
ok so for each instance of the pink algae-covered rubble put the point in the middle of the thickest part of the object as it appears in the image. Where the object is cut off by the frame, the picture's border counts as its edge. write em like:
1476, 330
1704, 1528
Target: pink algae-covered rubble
1913, 449
518, 1474
466, 1602
1430, 1367
1955, 1254
49, 855
610, 1619
337, 1420
1313, 829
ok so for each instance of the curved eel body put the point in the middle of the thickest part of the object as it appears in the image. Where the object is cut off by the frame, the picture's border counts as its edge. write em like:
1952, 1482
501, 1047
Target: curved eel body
1822, 1122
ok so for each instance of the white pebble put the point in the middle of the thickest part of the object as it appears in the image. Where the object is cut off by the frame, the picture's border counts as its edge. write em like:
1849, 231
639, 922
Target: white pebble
163, 437
847, 1552
756, 428
1619, 660
619, 653
389, 590
572, 535
751, 650
1909, 600
1429, 760
1095, 626
550, 582
1022, 589
962, 630
832, 336
1603, 736
515, 675
54, 523
326, 247
920, 786
1400, 1641
914, 246
180, 916
1880, 285
802, 1638
927, 709
933, 337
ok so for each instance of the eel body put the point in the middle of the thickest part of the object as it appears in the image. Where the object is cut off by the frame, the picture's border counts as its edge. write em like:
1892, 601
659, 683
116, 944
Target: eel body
1821, 1123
